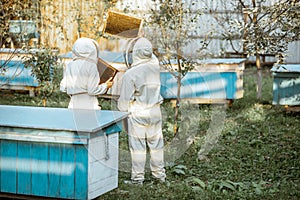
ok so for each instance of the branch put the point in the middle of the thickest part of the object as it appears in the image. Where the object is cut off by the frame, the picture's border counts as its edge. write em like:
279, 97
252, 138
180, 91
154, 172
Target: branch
278, 15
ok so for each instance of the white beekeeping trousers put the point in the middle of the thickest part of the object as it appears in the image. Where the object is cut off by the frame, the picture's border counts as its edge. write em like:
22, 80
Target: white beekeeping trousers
145, 128
84, 101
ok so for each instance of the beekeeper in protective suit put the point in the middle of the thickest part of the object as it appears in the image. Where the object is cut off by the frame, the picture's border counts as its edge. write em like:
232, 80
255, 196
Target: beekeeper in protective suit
81, 78
140, 95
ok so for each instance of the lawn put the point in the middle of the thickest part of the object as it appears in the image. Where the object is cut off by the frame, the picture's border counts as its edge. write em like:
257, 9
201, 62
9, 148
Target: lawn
256, 156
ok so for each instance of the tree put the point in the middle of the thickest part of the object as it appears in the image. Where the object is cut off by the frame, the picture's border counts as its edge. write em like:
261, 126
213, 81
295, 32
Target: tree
171, 24
44, 64
11, 10
268, 29
15, 17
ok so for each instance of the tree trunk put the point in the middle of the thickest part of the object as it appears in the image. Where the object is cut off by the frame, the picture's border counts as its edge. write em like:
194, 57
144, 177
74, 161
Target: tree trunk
245, 17
176, 116
44, 102
257, 55
259, 78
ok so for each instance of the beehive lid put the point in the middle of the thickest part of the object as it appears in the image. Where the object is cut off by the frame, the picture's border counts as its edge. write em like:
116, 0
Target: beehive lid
220, 65
122, 25
58, 118
294, 68
108, 56
223, 61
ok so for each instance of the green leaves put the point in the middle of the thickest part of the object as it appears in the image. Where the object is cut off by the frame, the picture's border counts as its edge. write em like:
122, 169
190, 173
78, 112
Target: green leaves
270, 28
227, 186
44, 64
199, 182
15, 9
173, 22
179, 169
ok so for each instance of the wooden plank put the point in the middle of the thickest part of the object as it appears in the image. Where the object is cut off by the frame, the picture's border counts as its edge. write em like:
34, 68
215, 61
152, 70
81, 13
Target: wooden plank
24, 168
188, 85
97, 149
95, 152
81, 172
8, 166
30, 89
107, 168
276, 85
202, 101
292, 109
239, 94
55, 158
39, 169
67, 188
42, 136
231, 79
103, 186
107, 179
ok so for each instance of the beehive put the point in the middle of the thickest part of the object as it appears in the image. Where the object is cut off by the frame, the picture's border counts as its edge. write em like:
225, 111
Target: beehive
286, 84
212, 80
57, 152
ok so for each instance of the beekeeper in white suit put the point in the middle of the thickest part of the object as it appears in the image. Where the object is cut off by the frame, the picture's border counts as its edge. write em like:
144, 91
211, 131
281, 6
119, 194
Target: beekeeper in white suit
140, 95
81, 78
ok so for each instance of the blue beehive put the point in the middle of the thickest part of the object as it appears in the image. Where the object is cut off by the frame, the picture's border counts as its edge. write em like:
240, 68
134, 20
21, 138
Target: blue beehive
58, 152
286, 84
212, 80
13, 74
17, 77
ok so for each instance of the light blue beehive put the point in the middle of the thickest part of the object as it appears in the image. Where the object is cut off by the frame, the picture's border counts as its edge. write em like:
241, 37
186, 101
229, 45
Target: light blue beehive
286, 84
58, 152
212, 80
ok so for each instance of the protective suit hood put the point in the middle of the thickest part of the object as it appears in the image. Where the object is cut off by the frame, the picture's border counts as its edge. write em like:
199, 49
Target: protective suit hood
142, 51
85, 48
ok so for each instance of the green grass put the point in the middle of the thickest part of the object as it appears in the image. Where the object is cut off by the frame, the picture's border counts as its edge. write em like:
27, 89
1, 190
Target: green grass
256, 157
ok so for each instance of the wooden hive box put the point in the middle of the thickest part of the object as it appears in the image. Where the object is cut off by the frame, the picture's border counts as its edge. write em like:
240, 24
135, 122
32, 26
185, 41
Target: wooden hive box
57, 152
122, 25
211, 81
286, 84
16, 76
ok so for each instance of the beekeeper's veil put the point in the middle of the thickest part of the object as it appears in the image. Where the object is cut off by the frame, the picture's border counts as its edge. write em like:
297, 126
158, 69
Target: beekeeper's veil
85, 48
143, 52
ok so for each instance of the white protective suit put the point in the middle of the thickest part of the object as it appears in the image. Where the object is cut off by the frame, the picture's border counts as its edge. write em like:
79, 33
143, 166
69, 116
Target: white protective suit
81, 78
140, 95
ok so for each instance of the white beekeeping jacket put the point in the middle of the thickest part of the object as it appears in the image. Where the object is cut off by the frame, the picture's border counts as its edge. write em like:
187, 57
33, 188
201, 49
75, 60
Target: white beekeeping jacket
141, 83
81, 74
